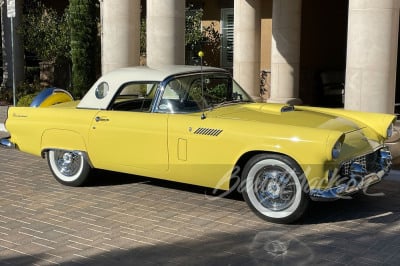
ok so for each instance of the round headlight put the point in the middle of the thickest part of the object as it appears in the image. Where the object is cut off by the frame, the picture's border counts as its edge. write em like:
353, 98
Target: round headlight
336, 149
389, 131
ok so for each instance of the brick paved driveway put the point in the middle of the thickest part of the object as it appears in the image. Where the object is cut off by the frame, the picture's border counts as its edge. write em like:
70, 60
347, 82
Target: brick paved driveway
127, 220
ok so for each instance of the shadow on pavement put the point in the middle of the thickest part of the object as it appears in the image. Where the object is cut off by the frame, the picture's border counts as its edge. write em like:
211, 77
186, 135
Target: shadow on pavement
379, 202
269, 246
109, 178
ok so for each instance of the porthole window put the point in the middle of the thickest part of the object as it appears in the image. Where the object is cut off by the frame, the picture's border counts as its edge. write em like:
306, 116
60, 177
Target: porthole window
102, 90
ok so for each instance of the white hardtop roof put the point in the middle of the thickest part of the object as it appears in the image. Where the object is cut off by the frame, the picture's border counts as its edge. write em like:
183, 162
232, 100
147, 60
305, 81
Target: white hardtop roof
117, 77
145, 73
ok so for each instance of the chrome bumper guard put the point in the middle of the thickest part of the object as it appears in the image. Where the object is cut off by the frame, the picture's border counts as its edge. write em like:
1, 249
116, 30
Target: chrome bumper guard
6, 143
359, 179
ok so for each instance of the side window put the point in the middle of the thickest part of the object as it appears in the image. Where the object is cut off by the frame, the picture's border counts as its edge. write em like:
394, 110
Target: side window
135, 97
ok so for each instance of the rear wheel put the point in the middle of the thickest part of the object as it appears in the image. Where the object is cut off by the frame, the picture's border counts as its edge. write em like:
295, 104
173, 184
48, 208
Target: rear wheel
68, 167
273, 186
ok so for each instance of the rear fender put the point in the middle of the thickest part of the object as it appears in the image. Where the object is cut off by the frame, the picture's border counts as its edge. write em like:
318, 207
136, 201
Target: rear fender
51, 96
63, 140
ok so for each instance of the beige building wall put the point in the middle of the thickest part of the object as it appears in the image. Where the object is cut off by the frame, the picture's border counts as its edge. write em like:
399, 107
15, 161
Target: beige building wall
266, 34
266, 45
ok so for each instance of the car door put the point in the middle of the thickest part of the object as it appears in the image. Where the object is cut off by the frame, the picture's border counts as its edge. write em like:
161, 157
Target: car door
200, 150
133, 142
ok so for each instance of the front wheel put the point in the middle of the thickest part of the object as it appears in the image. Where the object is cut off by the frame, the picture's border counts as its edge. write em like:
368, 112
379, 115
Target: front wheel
70, 168
273, 186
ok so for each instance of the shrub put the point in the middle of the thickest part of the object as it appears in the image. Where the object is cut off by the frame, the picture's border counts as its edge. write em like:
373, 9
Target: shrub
26, 100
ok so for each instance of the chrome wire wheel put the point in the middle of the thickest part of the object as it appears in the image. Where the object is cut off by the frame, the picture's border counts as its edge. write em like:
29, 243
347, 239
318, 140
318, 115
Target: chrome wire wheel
68, 167
68, 163
273, 188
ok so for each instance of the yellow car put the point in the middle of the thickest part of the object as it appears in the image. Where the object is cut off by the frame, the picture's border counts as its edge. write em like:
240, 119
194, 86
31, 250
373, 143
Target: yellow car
196, 125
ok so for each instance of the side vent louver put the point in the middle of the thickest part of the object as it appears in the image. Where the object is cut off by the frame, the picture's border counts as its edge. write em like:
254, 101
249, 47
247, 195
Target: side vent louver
208, 131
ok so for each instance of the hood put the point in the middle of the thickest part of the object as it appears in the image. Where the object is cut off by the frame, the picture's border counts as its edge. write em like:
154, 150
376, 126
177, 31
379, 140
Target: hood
285, 115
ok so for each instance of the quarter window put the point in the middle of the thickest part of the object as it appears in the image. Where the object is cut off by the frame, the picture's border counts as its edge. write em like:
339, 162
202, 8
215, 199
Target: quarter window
102, 90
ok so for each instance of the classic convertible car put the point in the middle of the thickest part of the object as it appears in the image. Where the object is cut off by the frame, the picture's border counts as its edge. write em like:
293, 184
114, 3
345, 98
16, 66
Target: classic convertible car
196, 125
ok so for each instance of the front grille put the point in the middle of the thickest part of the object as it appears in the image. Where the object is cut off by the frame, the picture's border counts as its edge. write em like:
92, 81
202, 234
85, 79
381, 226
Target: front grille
369, 162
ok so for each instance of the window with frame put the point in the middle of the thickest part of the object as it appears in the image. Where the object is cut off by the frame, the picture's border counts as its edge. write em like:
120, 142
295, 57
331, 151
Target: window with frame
135, 97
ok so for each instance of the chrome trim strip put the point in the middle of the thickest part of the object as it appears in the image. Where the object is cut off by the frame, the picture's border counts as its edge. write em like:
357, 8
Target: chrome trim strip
6, 143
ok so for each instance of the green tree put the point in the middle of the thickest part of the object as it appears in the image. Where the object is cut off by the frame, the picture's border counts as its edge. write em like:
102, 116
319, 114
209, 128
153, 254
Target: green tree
45, 32
83, 21
198, 37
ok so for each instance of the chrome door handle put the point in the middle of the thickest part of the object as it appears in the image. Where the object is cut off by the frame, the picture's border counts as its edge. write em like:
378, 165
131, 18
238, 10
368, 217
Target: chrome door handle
98, 119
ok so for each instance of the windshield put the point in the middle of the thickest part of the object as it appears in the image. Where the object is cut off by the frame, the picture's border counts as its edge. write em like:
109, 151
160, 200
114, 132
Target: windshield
196, 92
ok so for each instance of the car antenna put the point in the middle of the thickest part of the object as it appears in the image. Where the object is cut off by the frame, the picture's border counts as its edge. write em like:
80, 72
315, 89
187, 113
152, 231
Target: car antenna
203, 115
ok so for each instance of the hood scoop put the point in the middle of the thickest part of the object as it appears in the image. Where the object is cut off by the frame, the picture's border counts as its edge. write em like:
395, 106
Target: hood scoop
208, 131
276, 108
287, 108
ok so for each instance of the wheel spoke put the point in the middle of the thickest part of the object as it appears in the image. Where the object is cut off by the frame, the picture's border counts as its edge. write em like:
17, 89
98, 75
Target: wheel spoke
68, 163
274, 188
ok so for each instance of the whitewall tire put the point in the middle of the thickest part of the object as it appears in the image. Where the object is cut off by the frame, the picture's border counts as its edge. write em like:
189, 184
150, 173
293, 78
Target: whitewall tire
274, 187
68, 167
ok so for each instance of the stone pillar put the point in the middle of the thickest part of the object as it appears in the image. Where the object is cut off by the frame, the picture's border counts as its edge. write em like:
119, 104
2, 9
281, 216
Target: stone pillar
165, 32
285, 51
7, 49
247, 46
372, 55
120, 34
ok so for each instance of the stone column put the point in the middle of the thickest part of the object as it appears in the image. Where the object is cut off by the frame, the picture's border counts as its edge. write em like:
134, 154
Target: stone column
285, 51
247, 35
120, 34
372, 55
165, 32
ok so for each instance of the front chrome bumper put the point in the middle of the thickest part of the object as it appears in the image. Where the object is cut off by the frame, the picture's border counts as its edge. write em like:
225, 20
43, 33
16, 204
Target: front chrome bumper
6, 143
359, 179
